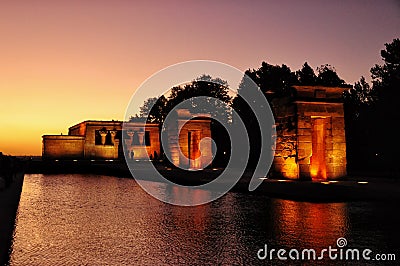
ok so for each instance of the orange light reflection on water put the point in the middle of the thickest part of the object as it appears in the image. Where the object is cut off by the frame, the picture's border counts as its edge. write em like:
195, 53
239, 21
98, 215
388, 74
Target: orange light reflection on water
316, 224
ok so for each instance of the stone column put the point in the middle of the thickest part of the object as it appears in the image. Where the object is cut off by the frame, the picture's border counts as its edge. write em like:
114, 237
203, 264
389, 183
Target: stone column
141, 138
113, 134
128, 141
103, 134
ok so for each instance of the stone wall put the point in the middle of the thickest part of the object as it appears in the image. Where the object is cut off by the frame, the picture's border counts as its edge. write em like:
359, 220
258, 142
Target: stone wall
78, 130
60, 146
141, 150
95, 150
310, 141
101, 140
285, 163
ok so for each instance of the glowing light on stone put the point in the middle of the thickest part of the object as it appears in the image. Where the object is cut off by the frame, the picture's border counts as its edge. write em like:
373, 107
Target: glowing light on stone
318, 161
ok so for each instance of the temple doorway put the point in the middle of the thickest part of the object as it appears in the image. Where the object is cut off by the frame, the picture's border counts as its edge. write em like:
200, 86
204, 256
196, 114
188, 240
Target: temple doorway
193, 149
318, 158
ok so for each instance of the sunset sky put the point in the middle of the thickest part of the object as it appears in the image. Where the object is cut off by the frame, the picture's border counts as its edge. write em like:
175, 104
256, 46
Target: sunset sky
62, 62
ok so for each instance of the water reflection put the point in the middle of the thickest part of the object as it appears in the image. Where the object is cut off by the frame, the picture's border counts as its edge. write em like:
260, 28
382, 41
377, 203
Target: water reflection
178, 195
99, 220
309, 224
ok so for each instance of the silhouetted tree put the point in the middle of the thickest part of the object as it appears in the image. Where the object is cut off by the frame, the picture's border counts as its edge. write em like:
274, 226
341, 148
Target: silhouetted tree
273, 81
157, 113
205, 85
306, 75
386, 83
359, 106
362, 94
273, 78
372, 115
386, 79
246, 89
327, 76
214, 88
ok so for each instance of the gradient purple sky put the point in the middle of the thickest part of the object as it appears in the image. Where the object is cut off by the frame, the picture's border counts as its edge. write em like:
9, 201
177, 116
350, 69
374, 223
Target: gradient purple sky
67, 61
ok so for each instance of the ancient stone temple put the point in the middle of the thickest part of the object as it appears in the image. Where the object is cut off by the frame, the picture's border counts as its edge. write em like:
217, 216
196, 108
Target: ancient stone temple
103, 140
310, 141
310, 137
189, 140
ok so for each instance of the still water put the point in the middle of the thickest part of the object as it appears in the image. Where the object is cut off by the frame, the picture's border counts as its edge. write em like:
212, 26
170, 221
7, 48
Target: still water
102, 220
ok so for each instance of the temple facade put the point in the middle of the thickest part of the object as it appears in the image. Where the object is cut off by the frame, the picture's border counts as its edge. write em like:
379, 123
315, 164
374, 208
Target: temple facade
310, 140
108, 140
189, 140
103, 140
310, 137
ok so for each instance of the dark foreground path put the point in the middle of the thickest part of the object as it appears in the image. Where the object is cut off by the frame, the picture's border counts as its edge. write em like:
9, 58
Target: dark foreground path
9, 201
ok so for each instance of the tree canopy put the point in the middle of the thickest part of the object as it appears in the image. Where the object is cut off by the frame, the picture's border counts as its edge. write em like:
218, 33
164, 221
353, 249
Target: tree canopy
371, 114
386, 78
327, 76
306, 75
155, 108
214, 88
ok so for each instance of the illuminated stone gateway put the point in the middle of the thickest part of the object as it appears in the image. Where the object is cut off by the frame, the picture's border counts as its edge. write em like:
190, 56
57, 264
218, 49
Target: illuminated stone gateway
310, 141
189, 140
